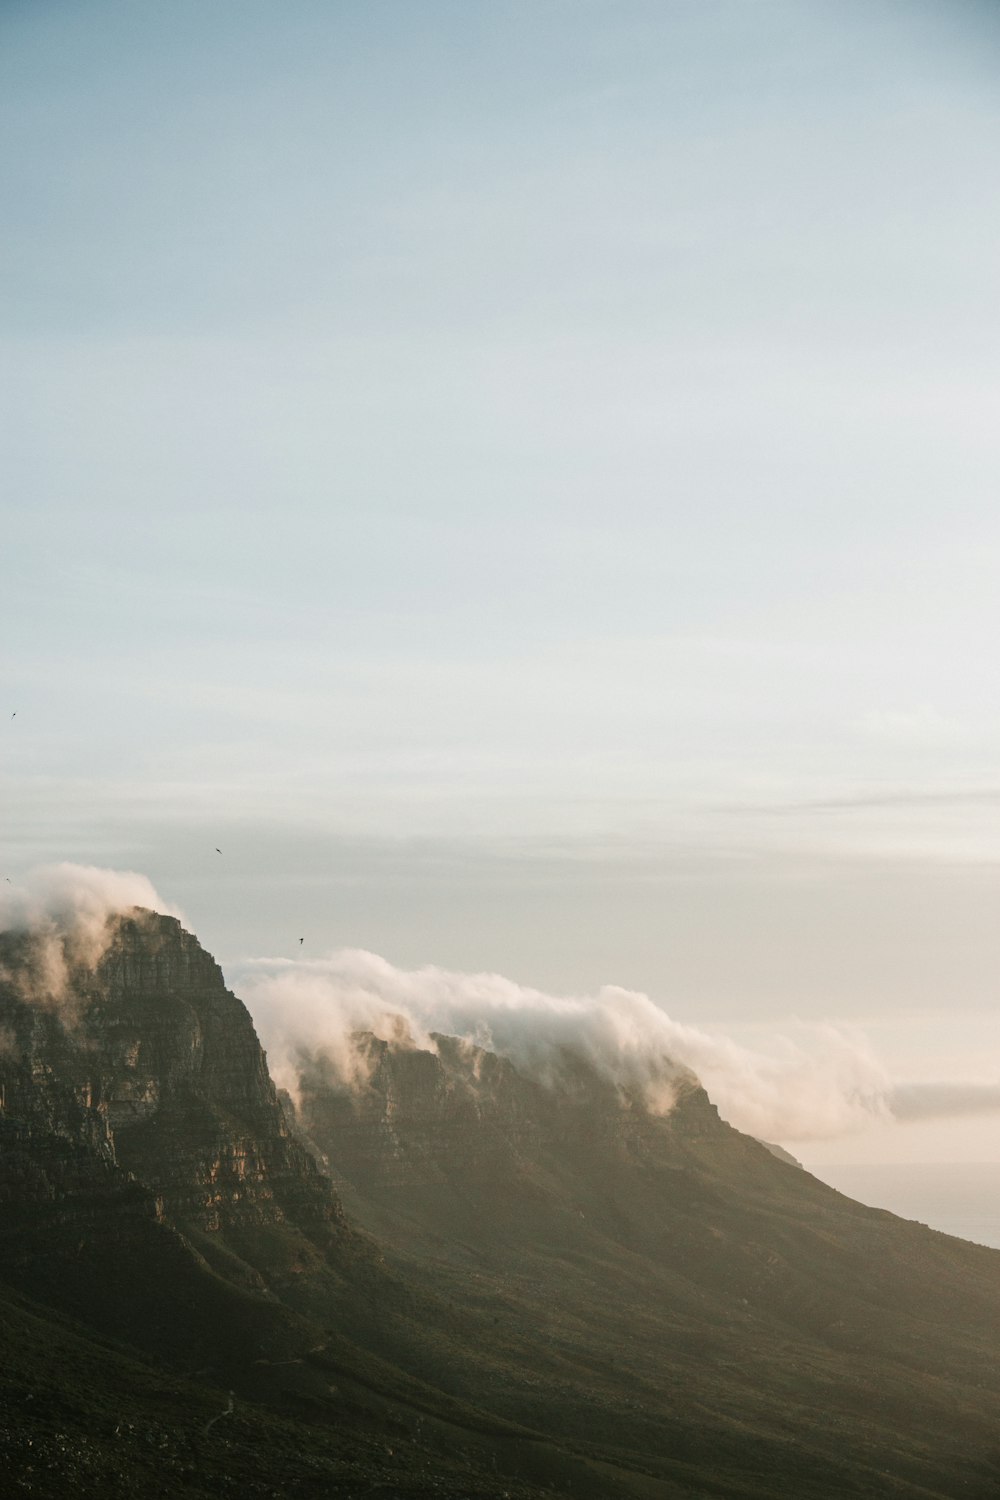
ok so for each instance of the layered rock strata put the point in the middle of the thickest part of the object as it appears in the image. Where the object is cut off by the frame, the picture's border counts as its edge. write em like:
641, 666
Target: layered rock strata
146, 1066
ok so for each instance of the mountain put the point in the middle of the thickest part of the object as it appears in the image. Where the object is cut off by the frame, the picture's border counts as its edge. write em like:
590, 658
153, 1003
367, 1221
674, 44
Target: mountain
661, 1286
177, 1279
447, 1278
139, 1119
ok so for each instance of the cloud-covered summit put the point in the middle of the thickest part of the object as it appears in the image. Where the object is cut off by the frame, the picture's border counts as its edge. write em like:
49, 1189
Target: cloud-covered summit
67, 910
819, 1082
792, 1092
67, 896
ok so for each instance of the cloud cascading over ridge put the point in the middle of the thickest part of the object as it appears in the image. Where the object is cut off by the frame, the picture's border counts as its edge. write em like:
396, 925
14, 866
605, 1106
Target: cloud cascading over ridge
820, 1084
66, 895
66, 909
792, 1092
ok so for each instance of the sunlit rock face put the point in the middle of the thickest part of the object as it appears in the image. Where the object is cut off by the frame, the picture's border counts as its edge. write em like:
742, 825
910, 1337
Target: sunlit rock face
146, 1064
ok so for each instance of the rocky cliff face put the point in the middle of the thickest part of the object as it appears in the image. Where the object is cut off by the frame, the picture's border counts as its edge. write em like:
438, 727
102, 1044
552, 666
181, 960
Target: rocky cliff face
414, 1118
145, 1066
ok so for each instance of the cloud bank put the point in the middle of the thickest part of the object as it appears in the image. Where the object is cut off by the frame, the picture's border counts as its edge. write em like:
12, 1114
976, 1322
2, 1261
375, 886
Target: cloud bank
792, 1092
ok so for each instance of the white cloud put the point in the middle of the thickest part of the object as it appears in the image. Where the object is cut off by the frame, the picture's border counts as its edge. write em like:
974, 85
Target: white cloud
791, 1092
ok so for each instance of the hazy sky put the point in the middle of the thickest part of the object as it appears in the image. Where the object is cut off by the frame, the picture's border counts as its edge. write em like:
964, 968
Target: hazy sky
522, 480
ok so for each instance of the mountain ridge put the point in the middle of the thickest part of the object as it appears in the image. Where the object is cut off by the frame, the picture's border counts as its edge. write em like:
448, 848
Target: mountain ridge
544, 1281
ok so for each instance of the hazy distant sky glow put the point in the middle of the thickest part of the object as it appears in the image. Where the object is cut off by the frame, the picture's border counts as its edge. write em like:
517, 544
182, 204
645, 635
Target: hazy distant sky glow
522, 480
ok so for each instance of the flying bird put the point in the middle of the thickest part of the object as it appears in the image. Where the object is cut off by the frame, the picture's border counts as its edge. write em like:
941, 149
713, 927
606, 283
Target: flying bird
301, 941
218, 851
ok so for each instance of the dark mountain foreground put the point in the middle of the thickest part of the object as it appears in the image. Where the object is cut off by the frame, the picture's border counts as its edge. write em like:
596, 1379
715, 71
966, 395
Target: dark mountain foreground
448, 1280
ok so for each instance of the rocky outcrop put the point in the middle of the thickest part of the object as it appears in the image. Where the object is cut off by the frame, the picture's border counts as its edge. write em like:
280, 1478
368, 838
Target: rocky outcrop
412, 1118
146, 1066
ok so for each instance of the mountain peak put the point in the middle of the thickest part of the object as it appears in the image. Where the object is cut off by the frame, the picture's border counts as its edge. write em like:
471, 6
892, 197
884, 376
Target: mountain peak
135, 1042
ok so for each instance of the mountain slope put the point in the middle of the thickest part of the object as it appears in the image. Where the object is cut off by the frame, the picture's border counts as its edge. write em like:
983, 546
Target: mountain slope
494, 1285
665, 1285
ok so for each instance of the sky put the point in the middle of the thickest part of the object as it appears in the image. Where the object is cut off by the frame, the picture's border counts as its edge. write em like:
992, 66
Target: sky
520, 480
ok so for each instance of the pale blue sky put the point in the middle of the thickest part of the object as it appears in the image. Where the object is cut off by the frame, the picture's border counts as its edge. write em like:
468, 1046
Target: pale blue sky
520, 478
